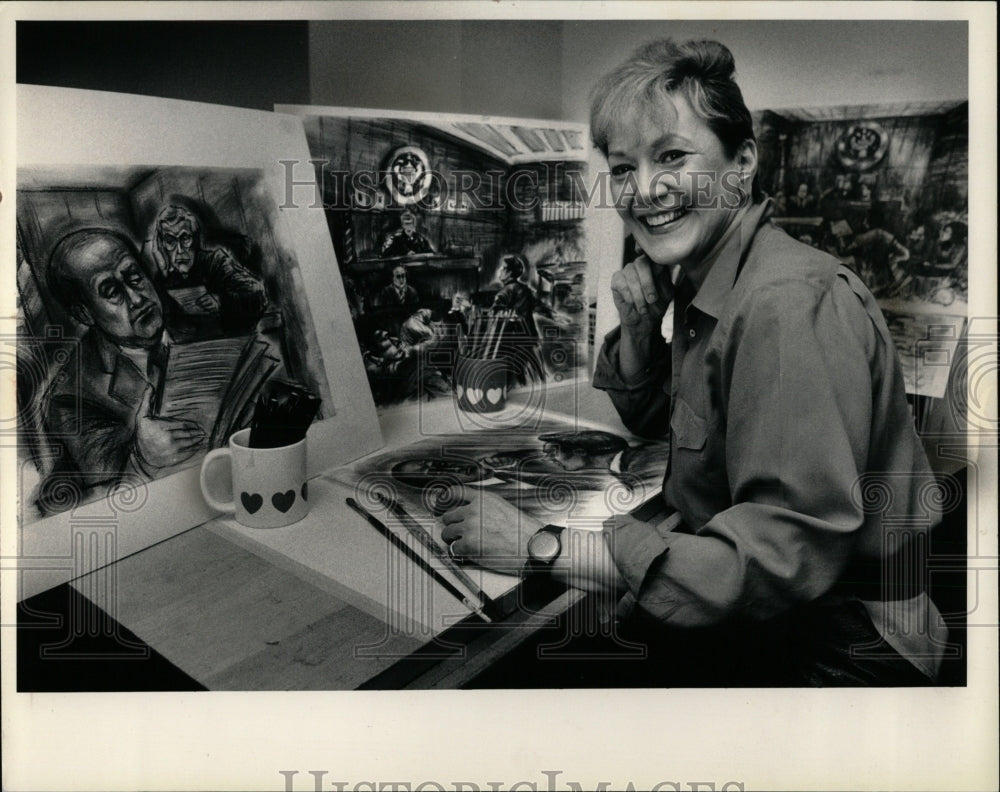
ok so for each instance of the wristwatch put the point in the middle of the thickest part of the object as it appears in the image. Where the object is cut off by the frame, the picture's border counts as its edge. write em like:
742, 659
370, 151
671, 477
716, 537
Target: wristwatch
544, 547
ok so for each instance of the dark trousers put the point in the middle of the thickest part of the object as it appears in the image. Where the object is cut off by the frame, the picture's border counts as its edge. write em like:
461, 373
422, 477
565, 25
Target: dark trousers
815, 647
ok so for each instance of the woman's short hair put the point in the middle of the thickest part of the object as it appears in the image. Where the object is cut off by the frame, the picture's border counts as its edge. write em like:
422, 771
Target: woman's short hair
703, 70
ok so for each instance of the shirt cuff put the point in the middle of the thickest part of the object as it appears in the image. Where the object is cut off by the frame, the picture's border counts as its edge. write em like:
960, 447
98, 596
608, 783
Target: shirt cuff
635, 547
607, 372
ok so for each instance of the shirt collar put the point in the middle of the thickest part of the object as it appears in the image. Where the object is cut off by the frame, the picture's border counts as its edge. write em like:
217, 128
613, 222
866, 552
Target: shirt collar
724, 261
108, 351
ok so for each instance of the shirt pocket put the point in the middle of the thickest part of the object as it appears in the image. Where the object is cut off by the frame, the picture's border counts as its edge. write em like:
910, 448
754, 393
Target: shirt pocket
689, 429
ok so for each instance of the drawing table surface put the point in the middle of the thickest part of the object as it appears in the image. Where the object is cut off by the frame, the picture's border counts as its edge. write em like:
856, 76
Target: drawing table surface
235, 614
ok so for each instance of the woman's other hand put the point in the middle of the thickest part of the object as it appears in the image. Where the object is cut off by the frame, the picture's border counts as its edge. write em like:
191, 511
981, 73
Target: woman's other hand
642, 291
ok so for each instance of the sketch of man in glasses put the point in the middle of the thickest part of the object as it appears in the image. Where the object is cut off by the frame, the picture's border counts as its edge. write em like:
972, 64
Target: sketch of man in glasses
202, 282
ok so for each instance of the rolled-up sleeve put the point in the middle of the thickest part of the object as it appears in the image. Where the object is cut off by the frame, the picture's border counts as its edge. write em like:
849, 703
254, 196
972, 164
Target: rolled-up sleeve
635, 546
643, 403
797, 392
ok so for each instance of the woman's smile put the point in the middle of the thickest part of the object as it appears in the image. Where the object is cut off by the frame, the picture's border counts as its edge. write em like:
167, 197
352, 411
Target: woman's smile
661, 222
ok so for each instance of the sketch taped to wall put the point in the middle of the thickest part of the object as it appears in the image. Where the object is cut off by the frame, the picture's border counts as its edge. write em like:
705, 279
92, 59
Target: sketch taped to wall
456, 236
155, 304
882, 187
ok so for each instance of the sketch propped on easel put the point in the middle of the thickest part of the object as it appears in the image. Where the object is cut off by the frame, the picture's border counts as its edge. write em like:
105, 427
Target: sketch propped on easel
161, 284
138, 381
451, 229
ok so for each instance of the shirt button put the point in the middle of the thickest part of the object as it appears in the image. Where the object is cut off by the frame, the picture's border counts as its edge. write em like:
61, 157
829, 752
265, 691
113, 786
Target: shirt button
691, 333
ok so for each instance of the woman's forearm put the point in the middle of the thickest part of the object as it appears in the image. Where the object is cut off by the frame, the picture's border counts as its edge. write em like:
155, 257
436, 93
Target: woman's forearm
635, 350
586, 563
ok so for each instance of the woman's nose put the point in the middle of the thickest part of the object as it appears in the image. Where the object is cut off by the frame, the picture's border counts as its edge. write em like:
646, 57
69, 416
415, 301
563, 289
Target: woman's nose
654, 184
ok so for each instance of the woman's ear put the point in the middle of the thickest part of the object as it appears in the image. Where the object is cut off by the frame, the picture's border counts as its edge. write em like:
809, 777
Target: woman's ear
746, 160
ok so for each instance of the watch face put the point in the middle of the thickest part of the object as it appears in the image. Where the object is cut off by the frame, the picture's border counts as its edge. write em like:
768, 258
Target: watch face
544, 546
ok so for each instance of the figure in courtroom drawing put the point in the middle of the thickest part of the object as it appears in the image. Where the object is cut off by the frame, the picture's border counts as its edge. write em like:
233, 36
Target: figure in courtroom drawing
406, 240
517, 304
103, 418
398, 293
202, 285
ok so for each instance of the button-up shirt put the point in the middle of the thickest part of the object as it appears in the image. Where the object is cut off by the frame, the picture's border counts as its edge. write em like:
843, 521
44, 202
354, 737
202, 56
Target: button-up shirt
794, 461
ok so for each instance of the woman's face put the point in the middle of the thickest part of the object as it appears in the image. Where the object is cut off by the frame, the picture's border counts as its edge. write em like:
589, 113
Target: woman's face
673, 184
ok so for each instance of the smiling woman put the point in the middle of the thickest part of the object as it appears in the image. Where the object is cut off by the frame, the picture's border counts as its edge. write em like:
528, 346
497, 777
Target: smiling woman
782, 397
781, 394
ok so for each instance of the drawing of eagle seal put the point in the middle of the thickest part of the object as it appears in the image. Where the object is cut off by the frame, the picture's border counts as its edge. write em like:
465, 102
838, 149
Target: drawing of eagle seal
862, 146
408, 175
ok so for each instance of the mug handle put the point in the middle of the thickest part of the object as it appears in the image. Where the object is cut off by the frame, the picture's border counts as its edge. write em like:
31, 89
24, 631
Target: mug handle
211, 458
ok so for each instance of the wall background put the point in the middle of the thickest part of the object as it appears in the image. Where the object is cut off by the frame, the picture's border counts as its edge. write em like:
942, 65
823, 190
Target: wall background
783, 64
533, 69
244, 64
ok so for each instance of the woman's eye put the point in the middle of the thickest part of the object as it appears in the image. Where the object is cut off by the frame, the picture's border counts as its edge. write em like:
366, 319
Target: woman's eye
620, 170
671, 156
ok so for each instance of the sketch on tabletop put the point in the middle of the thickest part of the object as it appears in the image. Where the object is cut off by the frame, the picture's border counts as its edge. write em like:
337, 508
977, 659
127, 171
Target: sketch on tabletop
558, 472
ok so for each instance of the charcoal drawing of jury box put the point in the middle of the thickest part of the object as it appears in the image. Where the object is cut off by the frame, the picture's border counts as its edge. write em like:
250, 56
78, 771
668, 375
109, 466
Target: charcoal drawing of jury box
161, 292
884, 188
425, 212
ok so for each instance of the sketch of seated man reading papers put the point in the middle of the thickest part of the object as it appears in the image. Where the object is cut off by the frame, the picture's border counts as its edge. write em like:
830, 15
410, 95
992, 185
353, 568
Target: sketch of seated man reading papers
150, 321
142, 403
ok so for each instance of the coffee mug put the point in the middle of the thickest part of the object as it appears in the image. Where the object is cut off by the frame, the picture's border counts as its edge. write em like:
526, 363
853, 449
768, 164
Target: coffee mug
269, 487
481, 384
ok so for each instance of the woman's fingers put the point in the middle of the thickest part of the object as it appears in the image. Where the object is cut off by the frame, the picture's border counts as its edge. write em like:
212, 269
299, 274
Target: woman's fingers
646, 275
638, 290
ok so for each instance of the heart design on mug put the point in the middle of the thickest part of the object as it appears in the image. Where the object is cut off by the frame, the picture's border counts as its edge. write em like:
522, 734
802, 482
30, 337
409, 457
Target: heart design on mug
251, 503
494, 395
473, 395
459, 390
305, 490
283, 500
